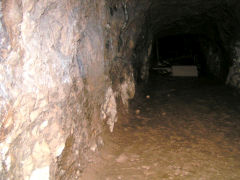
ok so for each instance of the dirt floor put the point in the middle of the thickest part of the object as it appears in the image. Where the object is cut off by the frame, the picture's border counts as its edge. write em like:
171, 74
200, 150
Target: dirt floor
185, 129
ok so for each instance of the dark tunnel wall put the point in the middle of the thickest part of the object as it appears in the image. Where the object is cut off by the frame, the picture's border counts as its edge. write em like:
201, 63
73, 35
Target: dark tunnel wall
172, 48
192, 49
214, 25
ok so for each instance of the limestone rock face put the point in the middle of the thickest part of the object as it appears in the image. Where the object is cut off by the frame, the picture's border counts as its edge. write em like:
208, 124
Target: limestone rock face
57, 64
40, 85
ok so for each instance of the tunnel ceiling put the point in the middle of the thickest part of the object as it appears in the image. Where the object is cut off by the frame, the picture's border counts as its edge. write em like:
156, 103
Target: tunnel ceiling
194, 16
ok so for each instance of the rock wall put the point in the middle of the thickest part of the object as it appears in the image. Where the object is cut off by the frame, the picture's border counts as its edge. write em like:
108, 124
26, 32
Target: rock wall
212, 56
142, 53
233, 78
65, 68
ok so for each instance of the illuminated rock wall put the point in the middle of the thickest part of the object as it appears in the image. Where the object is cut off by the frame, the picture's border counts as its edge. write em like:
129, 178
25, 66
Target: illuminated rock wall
63, 66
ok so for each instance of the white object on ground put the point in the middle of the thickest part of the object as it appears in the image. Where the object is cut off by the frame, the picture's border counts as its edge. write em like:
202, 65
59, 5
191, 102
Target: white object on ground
185, 71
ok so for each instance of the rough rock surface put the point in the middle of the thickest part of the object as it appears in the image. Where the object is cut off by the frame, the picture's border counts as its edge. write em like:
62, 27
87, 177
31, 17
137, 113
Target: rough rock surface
233, 78
61, 62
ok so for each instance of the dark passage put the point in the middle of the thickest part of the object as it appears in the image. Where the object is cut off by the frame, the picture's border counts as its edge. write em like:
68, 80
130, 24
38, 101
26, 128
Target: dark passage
188, 50
178, 50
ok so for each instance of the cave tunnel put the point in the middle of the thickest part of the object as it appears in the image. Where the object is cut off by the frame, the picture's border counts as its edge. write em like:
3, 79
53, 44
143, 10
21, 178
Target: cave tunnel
184, 49
119, 89
188, 50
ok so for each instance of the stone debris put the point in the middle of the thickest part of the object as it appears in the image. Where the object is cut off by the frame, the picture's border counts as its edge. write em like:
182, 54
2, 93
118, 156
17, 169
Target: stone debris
93, 147
40, 174
59, 150
155, 164
100, 141
137, 111
119, 177
143, 118
148, 173
43, 125
146, 167
134, 157
109, 109
122, 158
34, 115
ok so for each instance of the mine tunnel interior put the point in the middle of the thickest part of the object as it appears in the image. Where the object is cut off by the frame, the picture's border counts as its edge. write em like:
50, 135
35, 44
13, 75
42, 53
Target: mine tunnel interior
203, 39
189, 50
110, 89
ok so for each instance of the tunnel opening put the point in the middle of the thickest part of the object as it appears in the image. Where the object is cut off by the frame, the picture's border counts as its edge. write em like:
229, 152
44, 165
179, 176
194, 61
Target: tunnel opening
189, 55
178, 50
205, 39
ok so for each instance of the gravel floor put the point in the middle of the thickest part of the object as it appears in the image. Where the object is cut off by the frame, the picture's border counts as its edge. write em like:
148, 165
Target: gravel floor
177, 128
